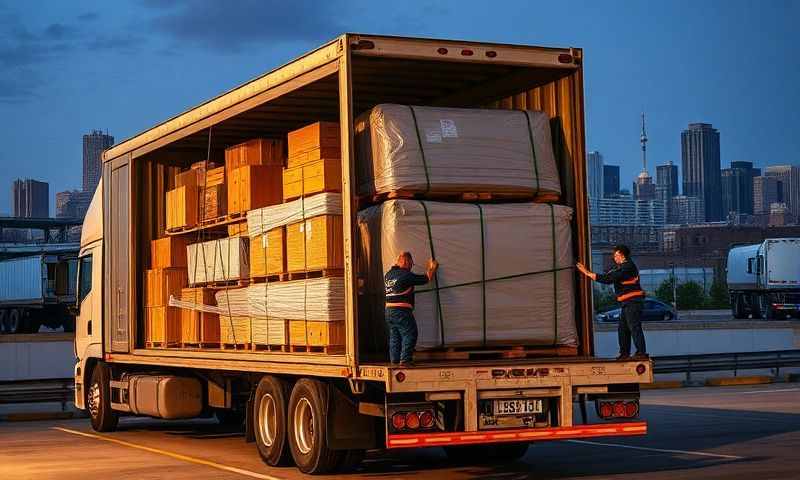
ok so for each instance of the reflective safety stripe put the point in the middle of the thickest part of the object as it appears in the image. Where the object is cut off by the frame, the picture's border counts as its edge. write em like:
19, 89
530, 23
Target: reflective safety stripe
626, 296
404, 292
399, 305
632, 281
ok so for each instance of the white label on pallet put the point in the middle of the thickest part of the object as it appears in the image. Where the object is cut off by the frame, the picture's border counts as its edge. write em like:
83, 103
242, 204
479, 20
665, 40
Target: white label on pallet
433, 136
449, 129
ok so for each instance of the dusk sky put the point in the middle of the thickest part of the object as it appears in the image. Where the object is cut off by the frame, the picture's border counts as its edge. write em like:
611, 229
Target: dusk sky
123, 66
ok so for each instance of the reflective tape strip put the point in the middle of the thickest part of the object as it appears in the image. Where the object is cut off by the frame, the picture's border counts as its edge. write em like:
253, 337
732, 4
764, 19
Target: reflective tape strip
626, 296
632, 281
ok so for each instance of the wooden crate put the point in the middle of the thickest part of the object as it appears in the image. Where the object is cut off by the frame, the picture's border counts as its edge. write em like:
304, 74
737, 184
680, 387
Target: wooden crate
215, 176
196, 176
316, 135
235, 229
234, 330
315, 244
303, 158
182, 204
214, 201
268, 253
196, 326
319, 176
162, 326
161, 283
270, 331
254, 186
316, 334
259, 151
168, 252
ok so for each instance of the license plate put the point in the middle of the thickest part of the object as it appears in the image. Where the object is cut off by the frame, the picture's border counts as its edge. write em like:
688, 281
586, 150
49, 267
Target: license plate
517, 407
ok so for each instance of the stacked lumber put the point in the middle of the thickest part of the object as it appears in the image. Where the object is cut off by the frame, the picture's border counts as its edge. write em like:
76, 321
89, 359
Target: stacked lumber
315, 244
268, 253
200, 174
182, 207
264, 219
254, 186
214, 201
239, 228
198, 327
162, 322
317, 141
219, 260
234, 323
324, 175
258, 151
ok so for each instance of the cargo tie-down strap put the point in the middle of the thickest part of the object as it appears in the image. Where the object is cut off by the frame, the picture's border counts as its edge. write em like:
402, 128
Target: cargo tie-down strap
483, 281
534, 160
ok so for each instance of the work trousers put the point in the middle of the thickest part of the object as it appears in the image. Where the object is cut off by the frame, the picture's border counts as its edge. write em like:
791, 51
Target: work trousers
630, 325
402, 334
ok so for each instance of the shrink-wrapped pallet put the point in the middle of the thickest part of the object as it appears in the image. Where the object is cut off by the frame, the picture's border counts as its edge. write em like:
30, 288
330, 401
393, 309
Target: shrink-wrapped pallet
313, 299
220, 260
505, 275
455, 150
261, 220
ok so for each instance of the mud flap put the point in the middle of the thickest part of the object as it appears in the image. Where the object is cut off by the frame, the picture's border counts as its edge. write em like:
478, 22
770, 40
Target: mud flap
348, 429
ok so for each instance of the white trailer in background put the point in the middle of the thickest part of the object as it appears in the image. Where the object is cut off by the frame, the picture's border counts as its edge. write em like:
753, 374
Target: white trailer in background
764, 279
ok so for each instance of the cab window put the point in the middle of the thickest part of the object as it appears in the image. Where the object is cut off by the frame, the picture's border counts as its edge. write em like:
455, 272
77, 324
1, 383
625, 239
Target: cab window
84, 277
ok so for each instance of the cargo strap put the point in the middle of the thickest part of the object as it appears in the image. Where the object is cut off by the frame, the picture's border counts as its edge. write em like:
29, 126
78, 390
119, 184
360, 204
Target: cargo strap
496, 279
555, 274
483, 273
421, 150
435, 275
534, 160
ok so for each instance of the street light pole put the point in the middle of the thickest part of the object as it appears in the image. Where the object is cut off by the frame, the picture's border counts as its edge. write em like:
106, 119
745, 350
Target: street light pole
674, 288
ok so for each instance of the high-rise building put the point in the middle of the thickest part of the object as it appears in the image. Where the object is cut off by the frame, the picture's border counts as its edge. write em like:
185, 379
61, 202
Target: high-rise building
624, 210
30, 199
643, 188
93, 146
737, 189
594, 172
72, 203
766, 191
789, 177
686, 210
701, 168
666, 184
610, 180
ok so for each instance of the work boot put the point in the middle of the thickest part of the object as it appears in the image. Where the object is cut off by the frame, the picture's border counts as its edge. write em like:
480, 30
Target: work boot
623, 356
641, 356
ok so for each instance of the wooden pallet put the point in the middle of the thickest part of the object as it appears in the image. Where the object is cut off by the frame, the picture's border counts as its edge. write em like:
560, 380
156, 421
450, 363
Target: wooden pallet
236, 346
266, 278
242, 282
492, 352
199, 345
210, 223
326, 349
270, 348
328, 272
161, 344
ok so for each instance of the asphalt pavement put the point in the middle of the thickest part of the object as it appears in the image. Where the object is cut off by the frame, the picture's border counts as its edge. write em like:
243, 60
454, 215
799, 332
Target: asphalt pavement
694, 433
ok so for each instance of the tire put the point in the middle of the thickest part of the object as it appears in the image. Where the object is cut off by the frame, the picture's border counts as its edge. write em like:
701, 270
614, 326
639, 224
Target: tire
14, 321
3, 328
308, 407
737, 307
487, 454
764, 309
270, 432
98, 400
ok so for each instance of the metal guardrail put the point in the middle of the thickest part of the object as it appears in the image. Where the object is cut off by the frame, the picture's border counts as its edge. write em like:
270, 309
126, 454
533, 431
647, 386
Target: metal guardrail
38, 391
714, 362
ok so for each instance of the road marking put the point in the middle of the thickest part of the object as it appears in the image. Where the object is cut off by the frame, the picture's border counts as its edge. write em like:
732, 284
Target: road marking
178, 456
770, 391
662, 450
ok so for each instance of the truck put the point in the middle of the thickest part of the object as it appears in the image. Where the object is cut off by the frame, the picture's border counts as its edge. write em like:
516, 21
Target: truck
322, 411
38, 290
764, 279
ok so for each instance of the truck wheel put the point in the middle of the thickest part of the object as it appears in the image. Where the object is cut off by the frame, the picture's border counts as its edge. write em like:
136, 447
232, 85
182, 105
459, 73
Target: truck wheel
308, 407
14, 321
98, 400
270, 421
3, 327
764, 308
477, 454
737, 306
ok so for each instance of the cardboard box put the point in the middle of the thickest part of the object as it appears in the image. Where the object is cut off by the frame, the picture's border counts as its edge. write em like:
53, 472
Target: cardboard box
316, 135
196, 326
315, 244
160, 284
214, 201
302, 158
268, 253
316, 334
168, 252
319, 176
182, 204
259, 151
235, 330
254, 186
162, 325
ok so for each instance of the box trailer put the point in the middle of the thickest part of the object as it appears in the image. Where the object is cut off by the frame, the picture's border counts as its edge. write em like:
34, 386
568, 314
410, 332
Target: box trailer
322, 410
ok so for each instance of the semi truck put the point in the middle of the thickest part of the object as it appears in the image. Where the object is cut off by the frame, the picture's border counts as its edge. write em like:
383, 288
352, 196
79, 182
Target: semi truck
322, 411
38, 290
764, 279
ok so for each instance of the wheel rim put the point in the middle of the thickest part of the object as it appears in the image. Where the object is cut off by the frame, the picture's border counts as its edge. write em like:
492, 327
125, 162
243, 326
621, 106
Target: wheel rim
13, 323
267, 419
304, 426
94, 400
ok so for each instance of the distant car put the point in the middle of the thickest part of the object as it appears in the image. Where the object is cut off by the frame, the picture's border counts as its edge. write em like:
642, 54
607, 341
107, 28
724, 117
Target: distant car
654, 310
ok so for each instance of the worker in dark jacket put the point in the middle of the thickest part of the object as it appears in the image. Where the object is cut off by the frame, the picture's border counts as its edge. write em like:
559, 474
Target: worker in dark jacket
625, 277
399, 282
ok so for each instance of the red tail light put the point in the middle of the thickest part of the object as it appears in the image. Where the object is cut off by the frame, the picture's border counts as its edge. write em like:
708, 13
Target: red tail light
399, 420
640, 369
565, 58
412, 420
606, 410
491, 54
426, 419
631, 409
619, 409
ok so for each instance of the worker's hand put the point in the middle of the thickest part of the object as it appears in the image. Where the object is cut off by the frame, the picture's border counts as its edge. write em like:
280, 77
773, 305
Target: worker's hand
582, 268
433, 265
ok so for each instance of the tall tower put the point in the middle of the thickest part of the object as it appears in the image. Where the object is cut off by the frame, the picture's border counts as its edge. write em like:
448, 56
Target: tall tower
643, 140
93, 145
701, 167
644, 188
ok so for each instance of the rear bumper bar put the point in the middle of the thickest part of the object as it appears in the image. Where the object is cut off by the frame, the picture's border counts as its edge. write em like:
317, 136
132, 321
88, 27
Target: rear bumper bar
516, 435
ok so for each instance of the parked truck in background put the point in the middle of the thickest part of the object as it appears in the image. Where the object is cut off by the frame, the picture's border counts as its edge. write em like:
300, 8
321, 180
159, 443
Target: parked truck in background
321, 411
38, 290
764, 279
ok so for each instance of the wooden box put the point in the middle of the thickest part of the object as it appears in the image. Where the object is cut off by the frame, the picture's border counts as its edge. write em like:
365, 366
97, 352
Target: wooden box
268, 253
198, 175
162, 326
215, 176
214, 202
254, 186
182, 207
270, 331
161, 283
319, 176
235, 229
315, 244
316, 135
196, 326
316, 334
313, 155
259, 151
235, 330
168, 252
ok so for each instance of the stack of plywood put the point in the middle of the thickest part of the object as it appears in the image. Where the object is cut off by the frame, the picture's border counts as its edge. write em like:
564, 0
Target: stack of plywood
314, 163
235, 326
162, 322
315, 244
198, 327
182, 207
220, 260
254, 186
264, 219
258, 151
268, 253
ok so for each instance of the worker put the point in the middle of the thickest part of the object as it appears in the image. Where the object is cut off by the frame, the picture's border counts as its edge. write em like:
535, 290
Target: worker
400, 282
625, 277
